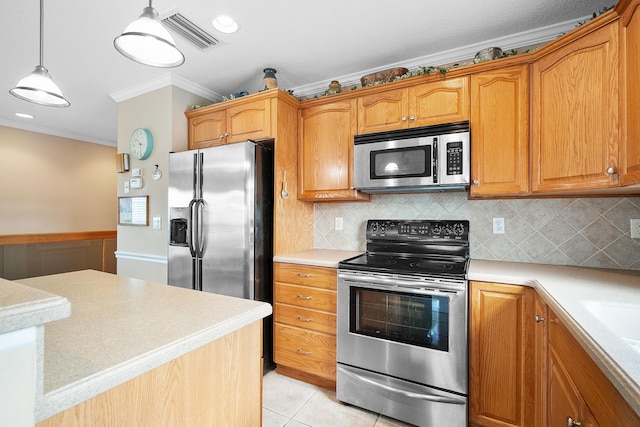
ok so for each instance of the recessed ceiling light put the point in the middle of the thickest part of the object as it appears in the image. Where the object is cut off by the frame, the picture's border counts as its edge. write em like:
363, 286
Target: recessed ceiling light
25, 115
225, 24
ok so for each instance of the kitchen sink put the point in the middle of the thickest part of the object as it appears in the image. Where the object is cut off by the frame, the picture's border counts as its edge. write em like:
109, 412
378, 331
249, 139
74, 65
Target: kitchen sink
622, 319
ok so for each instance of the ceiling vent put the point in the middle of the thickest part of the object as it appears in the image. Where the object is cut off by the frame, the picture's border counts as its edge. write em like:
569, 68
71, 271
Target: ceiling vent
190, 31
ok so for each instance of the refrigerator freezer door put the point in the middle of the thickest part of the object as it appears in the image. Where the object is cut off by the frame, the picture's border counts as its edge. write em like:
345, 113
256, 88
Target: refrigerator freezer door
181, 193
228, 179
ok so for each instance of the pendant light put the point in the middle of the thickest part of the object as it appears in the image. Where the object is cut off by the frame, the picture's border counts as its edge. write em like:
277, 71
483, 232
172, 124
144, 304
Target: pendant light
146, 41
38, 87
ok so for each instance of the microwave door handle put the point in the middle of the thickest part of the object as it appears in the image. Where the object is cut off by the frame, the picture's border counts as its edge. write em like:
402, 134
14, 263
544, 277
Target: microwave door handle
434, 163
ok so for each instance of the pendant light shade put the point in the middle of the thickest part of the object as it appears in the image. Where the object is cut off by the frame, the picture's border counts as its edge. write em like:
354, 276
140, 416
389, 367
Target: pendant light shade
146, 41
38, 87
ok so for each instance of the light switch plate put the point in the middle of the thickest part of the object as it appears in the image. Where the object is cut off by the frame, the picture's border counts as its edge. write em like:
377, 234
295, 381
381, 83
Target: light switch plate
137, 172
156, 223
126, 187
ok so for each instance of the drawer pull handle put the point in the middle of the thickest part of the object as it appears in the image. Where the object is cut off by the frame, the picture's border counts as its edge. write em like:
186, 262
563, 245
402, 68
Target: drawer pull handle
300, 318
303, 297
304, 275
307, 353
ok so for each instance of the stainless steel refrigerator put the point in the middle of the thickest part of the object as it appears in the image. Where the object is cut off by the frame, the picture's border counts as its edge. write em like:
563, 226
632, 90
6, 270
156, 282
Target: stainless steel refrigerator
221, 223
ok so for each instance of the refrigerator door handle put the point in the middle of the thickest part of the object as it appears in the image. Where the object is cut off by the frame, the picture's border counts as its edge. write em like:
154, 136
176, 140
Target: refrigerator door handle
192, 228
199, 244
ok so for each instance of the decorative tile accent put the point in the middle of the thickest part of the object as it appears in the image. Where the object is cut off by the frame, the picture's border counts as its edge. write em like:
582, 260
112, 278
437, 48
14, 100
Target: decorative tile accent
590, 232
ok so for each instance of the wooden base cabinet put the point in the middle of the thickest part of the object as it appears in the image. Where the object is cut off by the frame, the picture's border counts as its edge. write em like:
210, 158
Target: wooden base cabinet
501, 357
630, 40
577, 388
305, 323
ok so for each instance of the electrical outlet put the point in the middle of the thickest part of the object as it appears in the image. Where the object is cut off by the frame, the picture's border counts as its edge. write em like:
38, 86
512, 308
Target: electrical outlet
635, 228
498, 225
339, 224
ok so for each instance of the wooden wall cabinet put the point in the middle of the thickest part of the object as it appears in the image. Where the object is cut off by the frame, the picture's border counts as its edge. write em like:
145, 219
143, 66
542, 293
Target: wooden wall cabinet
229, 122
305, 322
575, 114
325, 151
500, 132
577, 388
630, 92
418, 105
501, 362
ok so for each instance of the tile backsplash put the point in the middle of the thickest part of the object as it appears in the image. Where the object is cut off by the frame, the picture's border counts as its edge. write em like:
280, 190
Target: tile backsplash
593, 232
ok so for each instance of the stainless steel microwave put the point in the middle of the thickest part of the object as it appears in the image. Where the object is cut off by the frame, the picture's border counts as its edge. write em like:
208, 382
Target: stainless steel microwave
431, 158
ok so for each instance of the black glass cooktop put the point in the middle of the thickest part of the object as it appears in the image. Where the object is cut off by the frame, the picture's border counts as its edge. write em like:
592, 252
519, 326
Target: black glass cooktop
407, 265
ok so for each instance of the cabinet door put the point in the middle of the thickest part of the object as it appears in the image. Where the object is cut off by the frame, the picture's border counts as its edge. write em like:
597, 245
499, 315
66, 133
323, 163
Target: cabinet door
565, 402
325, 162
207, 130
501, 339
541, 357
630, 150
383, 111
575, 119
439, 102
500, 132
251, 120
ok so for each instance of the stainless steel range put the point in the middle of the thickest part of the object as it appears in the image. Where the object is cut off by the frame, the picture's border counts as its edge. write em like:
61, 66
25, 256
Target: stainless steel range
402, 322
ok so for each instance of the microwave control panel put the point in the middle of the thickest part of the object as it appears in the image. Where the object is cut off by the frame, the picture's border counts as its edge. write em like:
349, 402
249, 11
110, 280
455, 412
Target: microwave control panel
454, 158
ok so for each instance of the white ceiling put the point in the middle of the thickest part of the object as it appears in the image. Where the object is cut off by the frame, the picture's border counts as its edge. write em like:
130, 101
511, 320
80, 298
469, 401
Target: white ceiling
309, 43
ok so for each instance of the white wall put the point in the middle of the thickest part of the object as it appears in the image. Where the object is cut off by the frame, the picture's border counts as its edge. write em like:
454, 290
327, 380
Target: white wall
142, 251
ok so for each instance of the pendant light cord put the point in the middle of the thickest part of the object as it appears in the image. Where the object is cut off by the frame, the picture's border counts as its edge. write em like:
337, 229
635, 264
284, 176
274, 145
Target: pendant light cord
41, 32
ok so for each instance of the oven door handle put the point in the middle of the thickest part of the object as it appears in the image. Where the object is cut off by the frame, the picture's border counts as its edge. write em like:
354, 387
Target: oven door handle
411, 394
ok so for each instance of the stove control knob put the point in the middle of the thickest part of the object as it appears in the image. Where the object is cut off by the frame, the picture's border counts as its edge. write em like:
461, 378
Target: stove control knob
458, 229
437, 229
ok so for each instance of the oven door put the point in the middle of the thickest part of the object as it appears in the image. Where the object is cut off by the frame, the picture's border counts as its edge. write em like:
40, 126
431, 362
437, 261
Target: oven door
405, 327
397, 163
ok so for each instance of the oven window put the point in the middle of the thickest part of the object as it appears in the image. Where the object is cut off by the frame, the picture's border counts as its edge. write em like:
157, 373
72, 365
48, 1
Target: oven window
401, 162
421, 320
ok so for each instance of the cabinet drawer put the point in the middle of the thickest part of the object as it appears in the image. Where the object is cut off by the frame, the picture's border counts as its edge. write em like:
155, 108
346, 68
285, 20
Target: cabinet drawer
307, 351
318, 277
302, 296
316, 320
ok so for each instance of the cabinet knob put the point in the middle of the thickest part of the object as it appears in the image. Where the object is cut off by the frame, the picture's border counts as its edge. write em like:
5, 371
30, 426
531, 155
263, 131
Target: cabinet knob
573, 423
404, 119
539, 319
412, 117
476, 181
224, 135
611, 170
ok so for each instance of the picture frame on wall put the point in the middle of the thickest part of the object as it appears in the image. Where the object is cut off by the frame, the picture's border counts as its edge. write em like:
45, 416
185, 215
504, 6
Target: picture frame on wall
133, 210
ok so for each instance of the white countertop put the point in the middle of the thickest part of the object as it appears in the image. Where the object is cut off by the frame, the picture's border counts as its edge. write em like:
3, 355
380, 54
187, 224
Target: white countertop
120, 328
318, 257
23, 307
570, 292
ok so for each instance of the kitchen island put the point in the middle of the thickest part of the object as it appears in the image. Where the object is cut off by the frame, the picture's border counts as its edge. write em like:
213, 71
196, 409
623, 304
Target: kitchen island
140, 353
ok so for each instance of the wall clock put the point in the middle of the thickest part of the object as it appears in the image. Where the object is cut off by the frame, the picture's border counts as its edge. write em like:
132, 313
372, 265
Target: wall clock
141, 143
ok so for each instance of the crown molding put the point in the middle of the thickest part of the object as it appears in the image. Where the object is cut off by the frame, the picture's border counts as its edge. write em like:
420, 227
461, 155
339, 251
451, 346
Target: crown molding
164, 81
466, 53
56, 132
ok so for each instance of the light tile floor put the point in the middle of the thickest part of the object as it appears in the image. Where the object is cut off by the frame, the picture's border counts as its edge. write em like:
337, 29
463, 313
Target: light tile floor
292, 403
